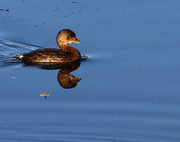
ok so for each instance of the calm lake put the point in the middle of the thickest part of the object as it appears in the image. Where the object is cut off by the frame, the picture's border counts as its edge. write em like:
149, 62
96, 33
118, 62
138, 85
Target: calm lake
129, 87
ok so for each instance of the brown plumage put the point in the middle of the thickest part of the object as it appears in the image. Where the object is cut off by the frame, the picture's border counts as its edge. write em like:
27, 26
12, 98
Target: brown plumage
66, 54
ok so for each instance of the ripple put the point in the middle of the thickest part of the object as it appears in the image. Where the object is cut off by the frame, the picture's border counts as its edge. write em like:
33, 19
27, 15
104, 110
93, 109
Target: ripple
59, 136
9, 49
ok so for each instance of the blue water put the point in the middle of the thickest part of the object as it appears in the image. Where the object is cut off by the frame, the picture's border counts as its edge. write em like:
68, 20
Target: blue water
129, 88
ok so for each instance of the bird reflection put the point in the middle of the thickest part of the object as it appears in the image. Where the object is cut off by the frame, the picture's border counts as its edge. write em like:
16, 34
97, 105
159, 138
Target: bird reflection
65, 79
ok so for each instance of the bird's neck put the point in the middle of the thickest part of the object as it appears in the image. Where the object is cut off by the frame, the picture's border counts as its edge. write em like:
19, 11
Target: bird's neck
67, 48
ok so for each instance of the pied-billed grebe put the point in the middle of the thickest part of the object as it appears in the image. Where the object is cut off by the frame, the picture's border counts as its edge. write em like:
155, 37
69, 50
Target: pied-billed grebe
66, 54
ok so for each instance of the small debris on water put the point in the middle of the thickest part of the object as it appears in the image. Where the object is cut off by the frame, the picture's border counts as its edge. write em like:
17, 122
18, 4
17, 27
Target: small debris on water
4, 10
72, 2
156, 44
44, 95
84, 56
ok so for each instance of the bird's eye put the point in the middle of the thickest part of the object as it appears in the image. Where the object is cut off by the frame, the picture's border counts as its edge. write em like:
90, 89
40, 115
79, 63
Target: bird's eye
69, 37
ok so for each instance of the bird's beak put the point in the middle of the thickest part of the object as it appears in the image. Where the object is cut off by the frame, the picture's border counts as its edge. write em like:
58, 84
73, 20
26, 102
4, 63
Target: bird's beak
75, 40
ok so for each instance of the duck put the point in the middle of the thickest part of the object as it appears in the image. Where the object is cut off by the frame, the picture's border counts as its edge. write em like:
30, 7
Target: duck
65, 55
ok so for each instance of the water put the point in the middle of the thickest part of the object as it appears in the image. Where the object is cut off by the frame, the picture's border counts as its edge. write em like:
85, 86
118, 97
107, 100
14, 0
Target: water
129, 84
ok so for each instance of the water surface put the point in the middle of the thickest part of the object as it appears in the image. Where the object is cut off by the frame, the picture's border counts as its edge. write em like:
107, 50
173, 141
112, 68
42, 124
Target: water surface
129, 88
